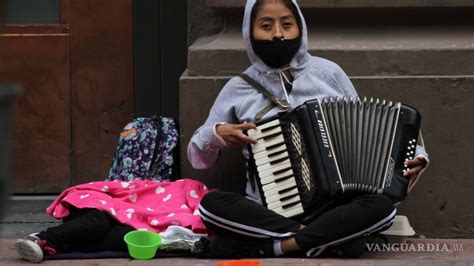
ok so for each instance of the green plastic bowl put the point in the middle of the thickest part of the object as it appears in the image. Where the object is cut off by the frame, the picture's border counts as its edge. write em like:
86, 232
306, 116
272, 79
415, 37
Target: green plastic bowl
142, 245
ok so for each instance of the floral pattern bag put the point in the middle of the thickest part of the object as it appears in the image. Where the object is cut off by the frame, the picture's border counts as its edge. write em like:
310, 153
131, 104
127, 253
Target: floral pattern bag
145, 150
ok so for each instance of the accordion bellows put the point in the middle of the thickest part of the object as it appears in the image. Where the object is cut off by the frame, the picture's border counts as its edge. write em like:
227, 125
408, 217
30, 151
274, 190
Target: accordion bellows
333, 147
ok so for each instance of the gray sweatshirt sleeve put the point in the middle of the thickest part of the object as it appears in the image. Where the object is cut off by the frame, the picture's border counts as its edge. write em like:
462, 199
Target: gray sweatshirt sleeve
420, 149
204, 146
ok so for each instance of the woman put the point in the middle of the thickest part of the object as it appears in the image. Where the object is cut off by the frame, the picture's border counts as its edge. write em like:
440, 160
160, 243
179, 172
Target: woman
275, 37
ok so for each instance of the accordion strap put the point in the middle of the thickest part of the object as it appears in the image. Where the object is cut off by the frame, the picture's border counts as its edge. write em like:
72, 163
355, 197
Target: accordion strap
282, 104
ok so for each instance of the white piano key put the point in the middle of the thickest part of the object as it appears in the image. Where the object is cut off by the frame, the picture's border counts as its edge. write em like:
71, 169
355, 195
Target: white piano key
272, 178
271, 166
273, 123
275, 169
253, 133
293, 212
285, 185
263, 144
279, 197
277, 185
271, 158
269, 151
282, 203
297, 209
256, 134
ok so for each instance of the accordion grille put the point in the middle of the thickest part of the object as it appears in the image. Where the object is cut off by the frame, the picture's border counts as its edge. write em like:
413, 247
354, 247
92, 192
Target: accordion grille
298, 156
361, 133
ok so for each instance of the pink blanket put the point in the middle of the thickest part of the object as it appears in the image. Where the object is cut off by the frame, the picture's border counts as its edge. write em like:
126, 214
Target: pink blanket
141, 204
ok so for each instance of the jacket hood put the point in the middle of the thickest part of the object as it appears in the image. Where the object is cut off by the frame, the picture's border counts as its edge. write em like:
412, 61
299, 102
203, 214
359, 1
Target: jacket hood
299, 60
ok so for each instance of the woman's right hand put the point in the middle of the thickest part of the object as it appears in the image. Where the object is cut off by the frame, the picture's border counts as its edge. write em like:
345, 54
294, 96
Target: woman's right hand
233, 134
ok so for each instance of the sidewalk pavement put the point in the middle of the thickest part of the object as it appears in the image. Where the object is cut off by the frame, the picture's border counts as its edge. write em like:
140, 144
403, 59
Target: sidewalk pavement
27, 216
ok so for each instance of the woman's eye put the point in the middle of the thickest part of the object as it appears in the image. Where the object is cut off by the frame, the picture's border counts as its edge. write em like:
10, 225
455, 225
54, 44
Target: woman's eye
266, 26
287, 24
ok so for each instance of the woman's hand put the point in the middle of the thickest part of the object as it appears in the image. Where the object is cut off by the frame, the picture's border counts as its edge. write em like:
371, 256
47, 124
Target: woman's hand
233, 134
415, 165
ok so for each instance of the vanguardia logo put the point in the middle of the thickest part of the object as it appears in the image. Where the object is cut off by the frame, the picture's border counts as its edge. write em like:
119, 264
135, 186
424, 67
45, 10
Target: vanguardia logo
415, 247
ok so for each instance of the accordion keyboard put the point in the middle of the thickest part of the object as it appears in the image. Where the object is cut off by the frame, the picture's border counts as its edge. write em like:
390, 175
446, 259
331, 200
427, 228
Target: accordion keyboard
274, 169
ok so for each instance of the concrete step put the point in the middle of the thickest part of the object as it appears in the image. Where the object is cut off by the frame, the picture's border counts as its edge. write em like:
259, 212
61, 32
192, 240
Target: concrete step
448, 140
360, 51
353, 3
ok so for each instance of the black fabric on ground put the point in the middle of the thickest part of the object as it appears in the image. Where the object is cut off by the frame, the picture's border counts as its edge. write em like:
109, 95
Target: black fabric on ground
87, 230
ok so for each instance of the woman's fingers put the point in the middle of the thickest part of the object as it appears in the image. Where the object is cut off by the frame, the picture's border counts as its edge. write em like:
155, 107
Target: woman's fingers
415, 162
241, 139
412, 174
415, 166
413, 171
246, 139
245, 126
412, 162
233, 134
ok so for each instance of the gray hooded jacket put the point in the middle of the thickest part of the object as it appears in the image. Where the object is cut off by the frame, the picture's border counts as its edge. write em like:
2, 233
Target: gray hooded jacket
238, 102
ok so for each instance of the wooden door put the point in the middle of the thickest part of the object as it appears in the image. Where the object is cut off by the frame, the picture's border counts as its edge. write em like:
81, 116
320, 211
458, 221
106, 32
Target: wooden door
76, 66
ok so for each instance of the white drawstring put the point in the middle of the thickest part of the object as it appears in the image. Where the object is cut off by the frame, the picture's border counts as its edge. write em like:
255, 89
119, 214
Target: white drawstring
283, 73
283, 76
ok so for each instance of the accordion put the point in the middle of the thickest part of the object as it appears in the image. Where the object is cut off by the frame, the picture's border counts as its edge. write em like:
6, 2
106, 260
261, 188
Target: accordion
332, 148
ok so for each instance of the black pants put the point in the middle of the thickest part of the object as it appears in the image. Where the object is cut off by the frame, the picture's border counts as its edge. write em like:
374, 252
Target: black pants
87, 230
232, 214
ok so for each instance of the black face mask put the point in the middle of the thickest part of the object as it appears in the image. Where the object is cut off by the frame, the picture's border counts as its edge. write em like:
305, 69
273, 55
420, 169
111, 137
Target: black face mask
276, 53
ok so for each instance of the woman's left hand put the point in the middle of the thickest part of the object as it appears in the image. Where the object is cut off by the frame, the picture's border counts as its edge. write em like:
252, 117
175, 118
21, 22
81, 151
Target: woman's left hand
415, 165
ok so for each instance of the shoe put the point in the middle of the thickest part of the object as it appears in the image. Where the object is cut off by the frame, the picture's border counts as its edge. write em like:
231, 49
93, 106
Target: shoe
237, 248
32, 248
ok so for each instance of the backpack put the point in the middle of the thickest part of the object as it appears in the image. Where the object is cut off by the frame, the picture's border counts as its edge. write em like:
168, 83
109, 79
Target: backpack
145, 150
